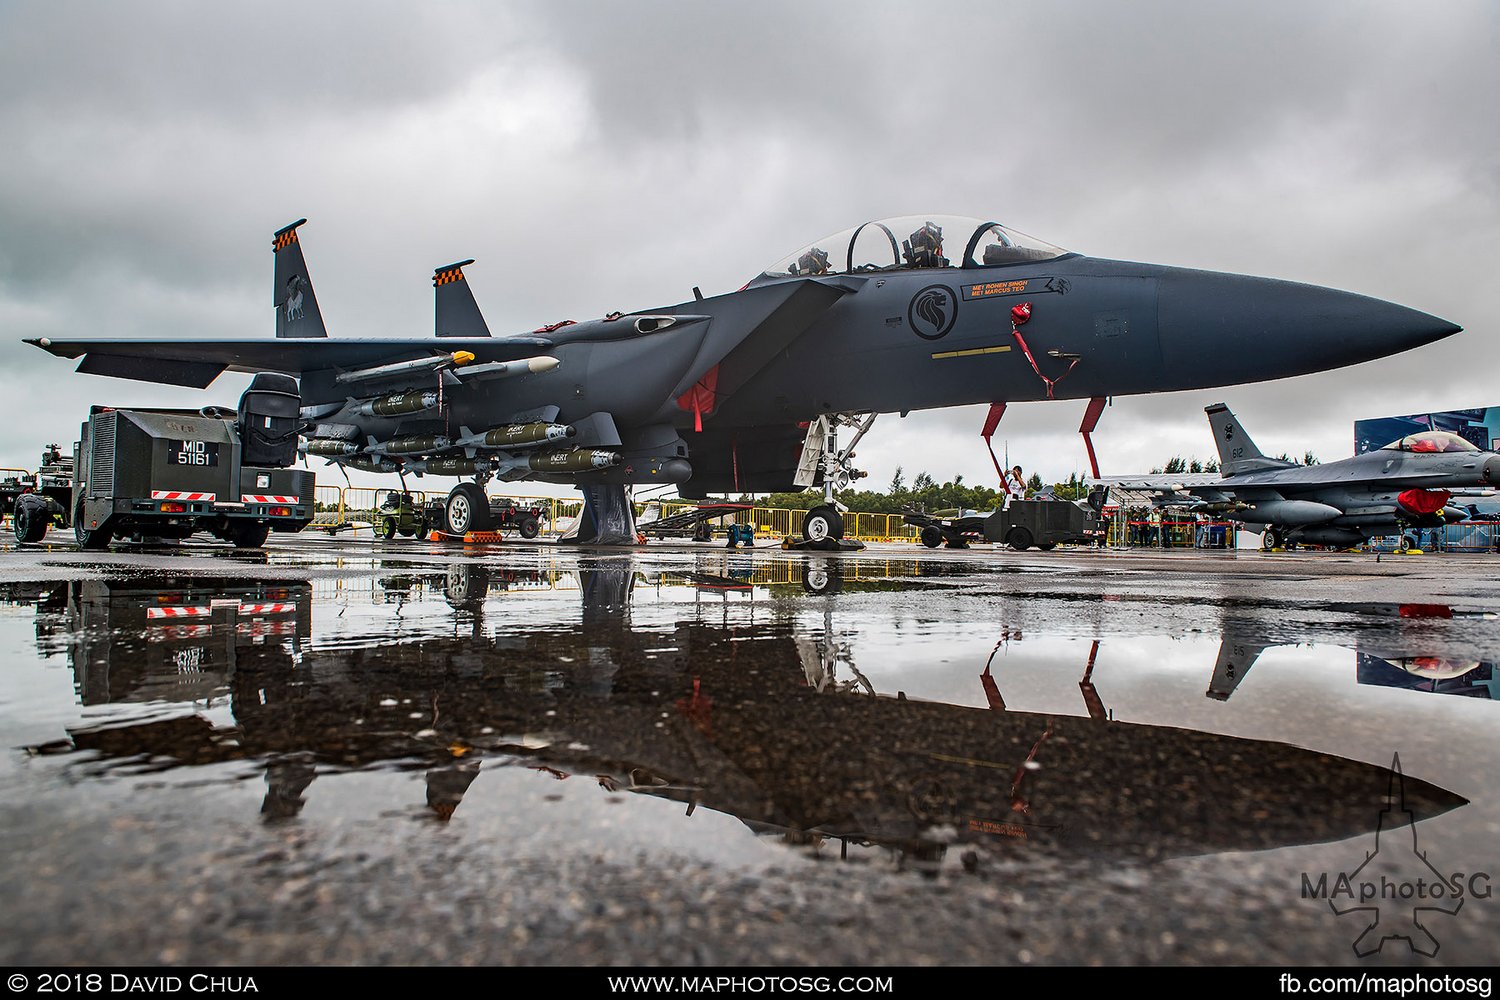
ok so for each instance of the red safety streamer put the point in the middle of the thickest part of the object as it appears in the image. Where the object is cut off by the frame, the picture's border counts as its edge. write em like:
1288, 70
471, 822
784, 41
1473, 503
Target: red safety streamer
1020, 315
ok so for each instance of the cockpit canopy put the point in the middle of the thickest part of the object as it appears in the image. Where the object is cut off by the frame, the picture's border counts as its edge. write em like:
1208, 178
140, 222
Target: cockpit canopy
1431, 442
914, 241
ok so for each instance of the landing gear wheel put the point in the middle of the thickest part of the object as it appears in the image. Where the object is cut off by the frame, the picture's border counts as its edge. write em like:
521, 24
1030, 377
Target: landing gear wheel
248, 535
468, 509
467, 585
1019, 539
931, 536
529, 527
93, 539
1272, 539
385, 527
821, 580
823, 523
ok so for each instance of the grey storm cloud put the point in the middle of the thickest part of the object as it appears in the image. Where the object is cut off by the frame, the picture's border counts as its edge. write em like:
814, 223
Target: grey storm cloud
598, 156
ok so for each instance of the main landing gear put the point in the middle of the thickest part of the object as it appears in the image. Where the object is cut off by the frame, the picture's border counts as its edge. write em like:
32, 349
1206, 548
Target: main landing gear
467, 509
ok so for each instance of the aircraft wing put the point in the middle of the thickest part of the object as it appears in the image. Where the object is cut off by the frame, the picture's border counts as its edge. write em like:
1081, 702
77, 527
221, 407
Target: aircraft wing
196, 363
1170, 489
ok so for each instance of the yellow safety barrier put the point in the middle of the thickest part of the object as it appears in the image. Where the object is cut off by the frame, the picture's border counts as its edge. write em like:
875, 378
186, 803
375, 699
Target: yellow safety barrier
358, 506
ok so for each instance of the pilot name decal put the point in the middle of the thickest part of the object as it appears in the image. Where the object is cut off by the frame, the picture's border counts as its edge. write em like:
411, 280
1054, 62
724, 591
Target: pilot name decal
932, 312
205, 453
1018, 286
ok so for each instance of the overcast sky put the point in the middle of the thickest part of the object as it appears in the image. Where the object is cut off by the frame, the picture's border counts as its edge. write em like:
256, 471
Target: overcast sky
602, 156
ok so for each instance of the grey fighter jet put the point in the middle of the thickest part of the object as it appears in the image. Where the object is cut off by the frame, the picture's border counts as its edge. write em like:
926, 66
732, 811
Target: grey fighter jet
746, 391
1408, 484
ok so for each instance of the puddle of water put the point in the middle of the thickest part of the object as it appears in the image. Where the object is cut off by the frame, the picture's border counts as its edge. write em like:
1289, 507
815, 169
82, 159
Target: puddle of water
747, 712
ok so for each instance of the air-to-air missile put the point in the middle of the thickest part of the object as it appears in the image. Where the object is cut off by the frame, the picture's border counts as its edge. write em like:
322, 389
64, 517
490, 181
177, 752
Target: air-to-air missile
516, 435
432, 364
327, 447
411, 444
505, 369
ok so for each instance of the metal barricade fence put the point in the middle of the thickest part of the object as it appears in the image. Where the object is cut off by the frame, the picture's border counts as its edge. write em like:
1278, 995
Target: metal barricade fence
1171, 534
359, 506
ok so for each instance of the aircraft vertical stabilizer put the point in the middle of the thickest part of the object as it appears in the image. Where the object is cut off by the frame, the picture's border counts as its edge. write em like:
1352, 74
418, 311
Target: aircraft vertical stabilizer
297, 312
1237, 453
457, 314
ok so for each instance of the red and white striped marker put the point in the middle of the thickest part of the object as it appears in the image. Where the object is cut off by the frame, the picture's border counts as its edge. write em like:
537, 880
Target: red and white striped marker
197, 611
179, 495
268, 498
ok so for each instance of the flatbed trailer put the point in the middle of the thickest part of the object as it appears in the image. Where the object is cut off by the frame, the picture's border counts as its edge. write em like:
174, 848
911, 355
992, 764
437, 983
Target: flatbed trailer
1044, 523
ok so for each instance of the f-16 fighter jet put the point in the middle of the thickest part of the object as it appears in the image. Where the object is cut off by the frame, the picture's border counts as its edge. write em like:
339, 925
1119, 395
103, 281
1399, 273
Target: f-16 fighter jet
1408, 484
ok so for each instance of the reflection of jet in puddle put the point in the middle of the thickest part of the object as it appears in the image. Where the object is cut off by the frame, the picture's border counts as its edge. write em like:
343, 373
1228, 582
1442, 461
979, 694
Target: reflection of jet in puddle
745, 720
1385, 661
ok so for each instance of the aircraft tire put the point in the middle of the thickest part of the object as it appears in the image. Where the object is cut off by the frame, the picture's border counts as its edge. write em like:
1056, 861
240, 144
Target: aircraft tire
1019, 539
1272, 539
823, 523
467, 509
466, 585
931, 536
821, 581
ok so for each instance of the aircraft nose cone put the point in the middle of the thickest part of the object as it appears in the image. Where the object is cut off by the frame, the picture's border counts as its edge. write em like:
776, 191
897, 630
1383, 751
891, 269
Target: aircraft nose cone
1491, 473
1250, 329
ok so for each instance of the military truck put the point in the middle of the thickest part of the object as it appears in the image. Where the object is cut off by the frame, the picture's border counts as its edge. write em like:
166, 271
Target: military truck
169, 474
1044, 522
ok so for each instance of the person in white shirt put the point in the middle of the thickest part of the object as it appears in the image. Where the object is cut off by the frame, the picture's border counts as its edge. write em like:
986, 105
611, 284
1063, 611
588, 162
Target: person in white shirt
1015, 486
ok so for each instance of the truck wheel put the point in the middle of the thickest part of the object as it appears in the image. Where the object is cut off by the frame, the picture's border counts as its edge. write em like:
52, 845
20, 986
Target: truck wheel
91, 539
248, 535
931, 536
529, 527
468, 509
30, 525
822, 523
1018, 539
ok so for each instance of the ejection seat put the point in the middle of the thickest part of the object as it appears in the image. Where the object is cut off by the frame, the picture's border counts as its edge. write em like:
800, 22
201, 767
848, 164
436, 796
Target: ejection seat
267, 421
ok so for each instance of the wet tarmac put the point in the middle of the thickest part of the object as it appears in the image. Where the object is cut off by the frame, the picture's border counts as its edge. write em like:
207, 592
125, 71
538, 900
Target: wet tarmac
351, 752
